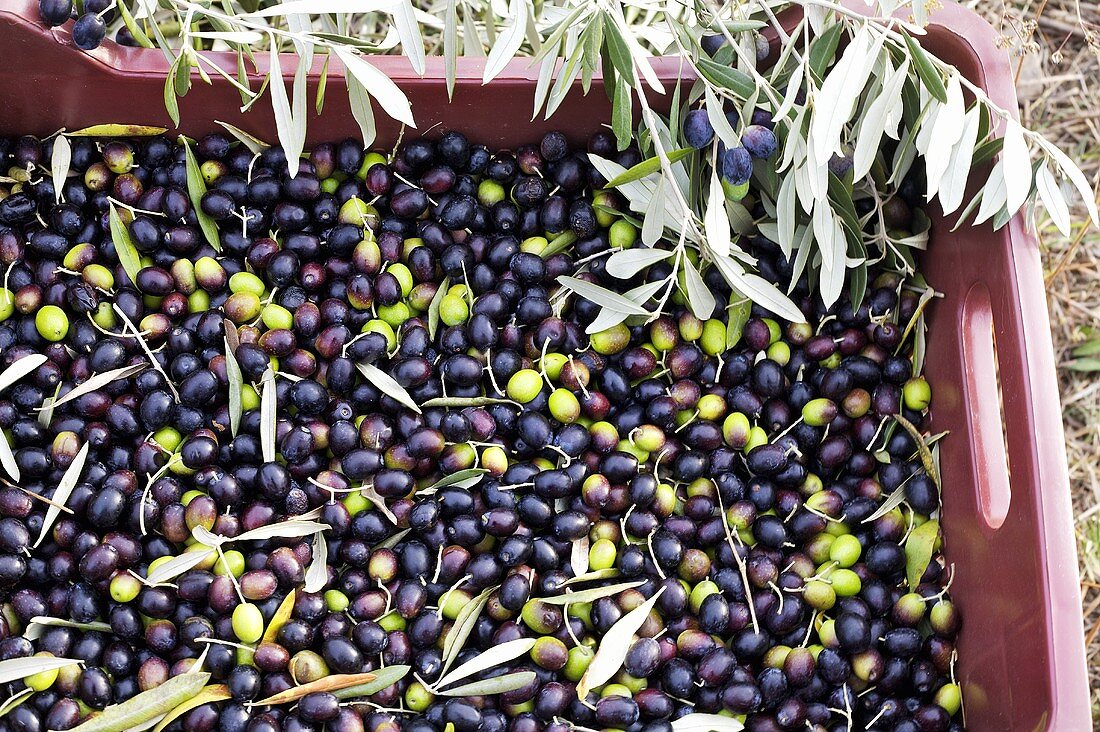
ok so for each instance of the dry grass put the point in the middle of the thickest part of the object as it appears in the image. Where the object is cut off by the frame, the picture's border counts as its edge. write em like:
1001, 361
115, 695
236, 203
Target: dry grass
1057, 46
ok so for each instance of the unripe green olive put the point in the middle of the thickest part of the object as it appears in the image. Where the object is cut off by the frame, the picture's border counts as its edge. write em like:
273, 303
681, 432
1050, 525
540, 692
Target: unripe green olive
564, 405
550, 653
948, 696
541, 617
277, 317
125, 587
845, 550
453, 310
622, 234
713, 340
691, 328
736, 430
611, 340
917, 394
248, 622
246, 282
577, 663
602, 554
358, 212
52, 323
242, 307
524, 385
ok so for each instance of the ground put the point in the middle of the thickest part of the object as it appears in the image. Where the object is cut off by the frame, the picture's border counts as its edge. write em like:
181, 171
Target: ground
1056, 44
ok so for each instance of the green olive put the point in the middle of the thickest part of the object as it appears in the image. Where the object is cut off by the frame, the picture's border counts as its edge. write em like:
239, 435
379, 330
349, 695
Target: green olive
369, 161
564, 405
611, 340
691, 328
846, 583
490, 192
52, 323
711, 407
209, 274
736, 430
622, 234
700, 592
917, 394
381, 326
248, 622
550, 653
246, 282
845, 550
125, 587
7, 303
524, 385
307, 666
534, 244
713, 340
577, 663
819, 412
99, 276
277, 317
395, 314
242, 307
391, 622
602, 554
417, 697
648, 437
541, 617
453, 310
43, 679
404, 277
230, 562
212, 170
336, 601
358, 212
948, 696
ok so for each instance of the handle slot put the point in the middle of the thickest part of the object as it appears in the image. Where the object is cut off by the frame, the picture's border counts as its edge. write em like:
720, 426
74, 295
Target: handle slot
982, 383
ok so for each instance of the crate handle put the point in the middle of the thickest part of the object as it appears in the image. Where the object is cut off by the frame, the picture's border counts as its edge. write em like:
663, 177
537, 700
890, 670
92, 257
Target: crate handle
982, 382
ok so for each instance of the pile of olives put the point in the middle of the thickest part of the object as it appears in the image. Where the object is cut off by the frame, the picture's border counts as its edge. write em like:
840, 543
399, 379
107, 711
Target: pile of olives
380, 345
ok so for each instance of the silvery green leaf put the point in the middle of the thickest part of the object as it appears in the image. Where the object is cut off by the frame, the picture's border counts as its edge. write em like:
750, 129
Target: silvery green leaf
14, 669
653, 225
319, 7
254, 144
362, 111
196, 189
648, 167
317, 573
280, 103
831, 239
794, 86
602, 296
717, 116
994, 194
836, 99
578, 555
124, 245
739, 311
393, 540
700, 722
638, 55
590, 595
471, 38
387, 385
463, 479
716, 223
613, 647
462, 627
699, 296
629, 262
378, 85
488, 659
291, 529
593, 576
546, 75
98, 381
1076, 177
759, 290
823, 230
245, 37
1053, 200
38, 624
461, 402
509, 41
434, 305
1017, 164
875, 120
236, 386
945, 132
636, 192
7, 458
268, 419
450, 46
606, 319
567, 74
21, 368
926, 70
176, 566
384, 678
60, 160
15, 700
412, 43
642, 293
785, 216
494, 685
63, 491
953, 184
803, 237
894, 500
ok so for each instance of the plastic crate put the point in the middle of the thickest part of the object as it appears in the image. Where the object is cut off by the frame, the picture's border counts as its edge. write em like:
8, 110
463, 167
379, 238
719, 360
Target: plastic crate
1006, 505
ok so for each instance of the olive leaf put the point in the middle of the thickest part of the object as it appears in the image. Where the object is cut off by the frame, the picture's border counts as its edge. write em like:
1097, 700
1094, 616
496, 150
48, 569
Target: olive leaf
97, 382
148, 705
118, 130
392, 100
611, 652
894, 500
7, 457
268, 420
495, 685
558, 244
434, 305
330, 683
384, 678
124, 245
196, 189
292, 529
700, 722
254, 144
629, 262
699, 295
280, 618
926, 70
387, 385
737, 314
236, 389
463, 479
317, 573
133, 26
922, 448
493, 657
64, 490
602, 296
143, 343
60, 160
590, 595
176, 566
45, 416
15, 700
38, 624
918, 550
460, 402
594, 575
391, 541
14, 669
508, 42
648, 167
212, 693
379, 502
20, 368
462, 627
578, 555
